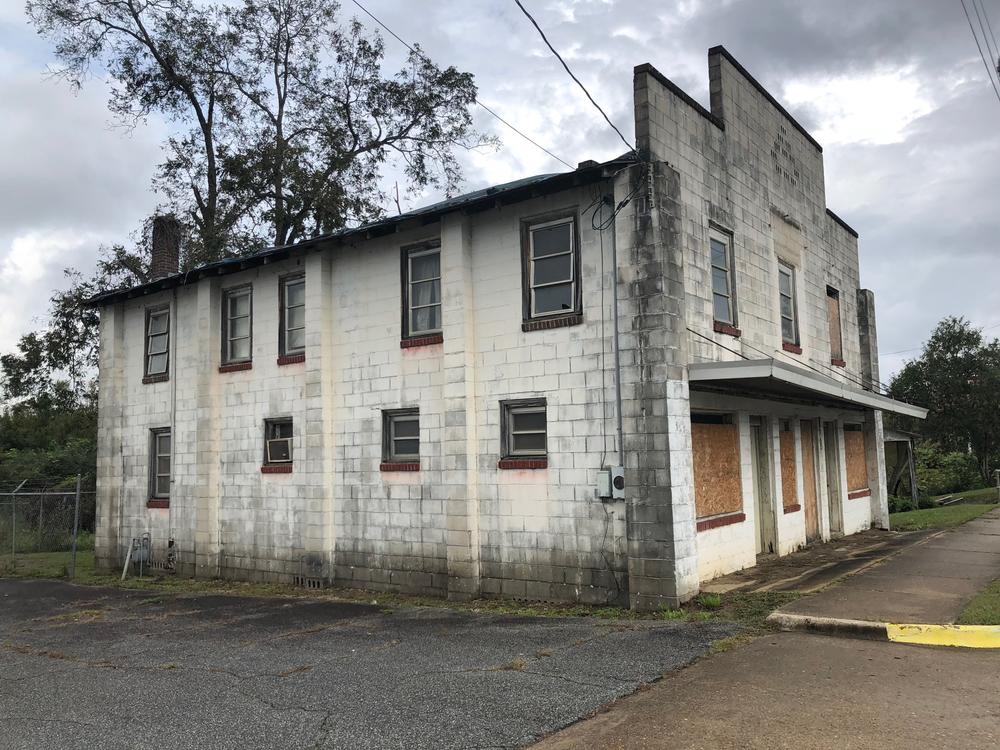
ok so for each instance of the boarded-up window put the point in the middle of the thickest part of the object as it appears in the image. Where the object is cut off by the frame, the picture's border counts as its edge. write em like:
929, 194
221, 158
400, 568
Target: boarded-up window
717, 485
833, 318
857, 462
789, 493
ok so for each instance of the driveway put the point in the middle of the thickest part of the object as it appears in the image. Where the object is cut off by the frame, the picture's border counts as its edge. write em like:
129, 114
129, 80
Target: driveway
84, 667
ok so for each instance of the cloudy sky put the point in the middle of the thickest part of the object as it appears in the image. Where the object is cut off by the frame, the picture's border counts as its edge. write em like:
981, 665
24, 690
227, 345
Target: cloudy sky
895, 91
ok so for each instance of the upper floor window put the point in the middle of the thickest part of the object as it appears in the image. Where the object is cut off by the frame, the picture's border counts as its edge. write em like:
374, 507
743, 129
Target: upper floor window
723, 298
157, 341
551, 269
422, 290
159, 463
237, 326
833, 319
292, 330
786, 300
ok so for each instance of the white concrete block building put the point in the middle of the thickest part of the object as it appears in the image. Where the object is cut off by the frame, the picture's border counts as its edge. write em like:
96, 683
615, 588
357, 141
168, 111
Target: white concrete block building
431, 403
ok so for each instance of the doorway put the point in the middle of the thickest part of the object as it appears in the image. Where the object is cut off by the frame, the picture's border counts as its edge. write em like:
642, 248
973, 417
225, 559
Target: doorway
833, 499
760, 456
809, 485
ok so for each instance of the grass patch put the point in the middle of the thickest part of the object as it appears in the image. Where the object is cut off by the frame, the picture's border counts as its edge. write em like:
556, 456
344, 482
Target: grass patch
936, 518
986, 494
984, 609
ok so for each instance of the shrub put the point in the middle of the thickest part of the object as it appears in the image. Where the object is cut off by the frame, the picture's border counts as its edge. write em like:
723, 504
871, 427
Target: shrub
940, 472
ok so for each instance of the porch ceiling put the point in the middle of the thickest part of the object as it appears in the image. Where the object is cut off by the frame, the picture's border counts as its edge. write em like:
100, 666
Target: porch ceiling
779, 379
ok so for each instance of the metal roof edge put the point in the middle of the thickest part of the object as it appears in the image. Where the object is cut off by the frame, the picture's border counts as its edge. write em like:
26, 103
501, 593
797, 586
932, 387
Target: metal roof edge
511, 192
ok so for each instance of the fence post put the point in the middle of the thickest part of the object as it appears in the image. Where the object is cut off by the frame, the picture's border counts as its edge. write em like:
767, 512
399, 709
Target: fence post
76, 528
13, 524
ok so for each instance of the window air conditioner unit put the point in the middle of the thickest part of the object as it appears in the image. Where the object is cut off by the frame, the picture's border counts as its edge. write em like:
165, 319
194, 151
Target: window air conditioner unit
279, 450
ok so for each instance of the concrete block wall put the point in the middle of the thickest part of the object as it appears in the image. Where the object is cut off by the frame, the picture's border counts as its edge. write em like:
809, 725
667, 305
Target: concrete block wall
460, 526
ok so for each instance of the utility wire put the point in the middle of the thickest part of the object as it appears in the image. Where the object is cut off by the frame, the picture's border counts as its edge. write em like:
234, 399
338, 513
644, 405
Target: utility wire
488, 109
993, 53
996, 46
578, 83
989, 70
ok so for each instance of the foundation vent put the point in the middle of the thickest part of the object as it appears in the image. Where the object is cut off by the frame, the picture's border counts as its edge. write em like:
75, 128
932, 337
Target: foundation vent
308, 582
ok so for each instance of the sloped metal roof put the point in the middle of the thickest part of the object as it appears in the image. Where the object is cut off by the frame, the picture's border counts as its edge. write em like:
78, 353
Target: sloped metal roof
507, 193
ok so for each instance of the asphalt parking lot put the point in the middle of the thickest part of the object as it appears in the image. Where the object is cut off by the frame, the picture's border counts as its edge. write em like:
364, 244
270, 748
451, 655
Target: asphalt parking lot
86, 667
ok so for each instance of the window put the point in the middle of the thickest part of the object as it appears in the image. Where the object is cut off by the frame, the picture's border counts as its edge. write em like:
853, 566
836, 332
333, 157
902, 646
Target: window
159, 463
401, 436
237, 326
551, 269
786, 304
523, 428
421, 290
157, 341
292, 333
723, 301
278, 442
833, 318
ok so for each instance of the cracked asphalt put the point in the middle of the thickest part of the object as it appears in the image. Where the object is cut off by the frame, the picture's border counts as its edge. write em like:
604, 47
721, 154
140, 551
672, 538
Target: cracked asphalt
87, 667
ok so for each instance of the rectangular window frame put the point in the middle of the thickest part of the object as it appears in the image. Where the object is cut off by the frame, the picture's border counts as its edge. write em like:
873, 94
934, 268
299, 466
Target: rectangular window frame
227, 340
726, 239
272, 429
283, 284
788, 270
836, 346
508, 409
528, 226
406, 256
390, 418
156, 434
152, 312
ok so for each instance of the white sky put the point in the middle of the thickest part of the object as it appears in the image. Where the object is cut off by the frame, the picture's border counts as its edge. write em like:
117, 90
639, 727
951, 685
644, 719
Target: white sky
895, 91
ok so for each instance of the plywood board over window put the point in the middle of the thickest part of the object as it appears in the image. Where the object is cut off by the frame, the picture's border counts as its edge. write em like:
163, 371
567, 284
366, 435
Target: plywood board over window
857, 462
717, 486
789, 472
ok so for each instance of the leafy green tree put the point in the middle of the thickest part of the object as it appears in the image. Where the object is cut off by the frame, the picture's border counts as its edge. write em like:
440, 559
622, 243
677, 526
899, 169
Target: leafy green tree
957, 377
284, 117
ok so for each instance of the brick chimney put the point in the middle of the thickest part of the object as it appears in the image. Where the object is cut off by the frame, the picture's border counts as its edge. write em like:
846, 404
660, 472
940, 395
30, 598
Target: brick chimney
166, 246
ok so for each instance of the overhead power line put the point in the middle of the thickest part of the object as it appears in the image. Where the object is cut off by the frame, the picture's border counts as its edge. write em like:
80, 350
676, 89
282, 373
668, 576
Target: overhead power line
488, 109
989, 69
993, 51
578, 83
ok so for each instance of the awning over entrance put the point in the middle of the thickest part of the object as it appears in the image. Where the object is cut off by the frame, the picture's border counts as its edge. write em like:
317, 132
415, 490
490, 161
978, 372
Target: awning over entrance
768, 377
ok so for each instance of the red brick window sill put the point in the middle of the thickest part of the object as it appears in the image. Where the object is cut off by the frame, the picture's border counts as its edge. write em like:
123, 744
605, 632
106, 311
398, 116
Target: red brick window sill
523, 463
857, 494
726, 328
156, 502
236, 367
706, 524
547, 324
793, 508
291, 359
161, 378
837, 362
437, 338
793, 348
399, 466
276, 469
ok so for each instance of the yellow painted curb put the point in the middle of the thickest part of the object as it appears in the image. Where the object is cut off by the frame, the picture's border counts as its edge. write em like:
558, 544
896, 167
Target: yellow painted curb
964, 636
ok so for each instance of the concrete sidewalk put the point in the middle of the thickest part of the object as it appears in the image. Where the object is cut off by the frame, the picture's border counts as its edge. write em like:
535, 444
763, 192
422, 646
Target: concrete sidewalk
928, 582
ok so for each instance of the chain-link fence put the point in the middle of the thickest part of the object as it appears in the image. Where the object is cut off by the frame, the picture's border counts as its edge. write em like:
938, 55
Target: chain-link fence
46, 526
